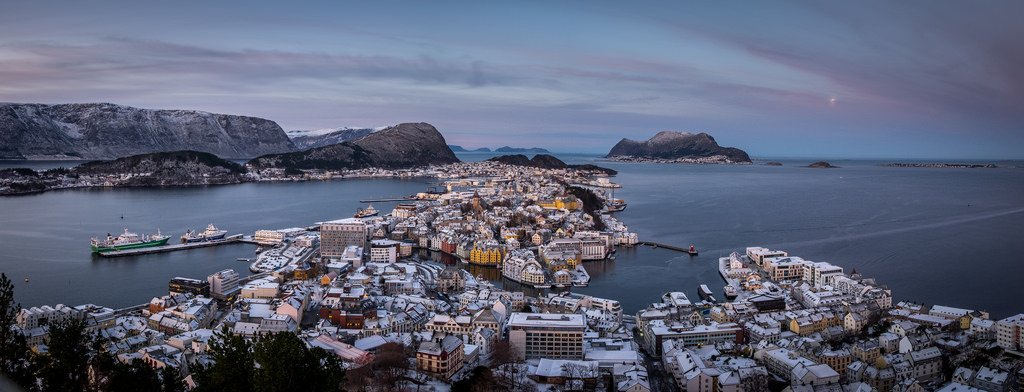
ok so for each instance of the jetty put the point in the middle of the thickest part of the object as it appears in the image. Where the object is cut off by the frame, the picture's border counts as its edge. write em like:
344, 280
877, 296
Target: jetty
387, 199
691, 252
238, 238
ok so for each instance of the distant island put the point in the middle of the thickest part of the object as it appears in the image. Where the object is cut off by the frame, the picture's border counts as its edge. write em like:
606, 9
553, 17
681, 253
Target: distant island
944, 165
534, 150
677, 147
544, 161
457, 148
773, 163
89, 131
822, 165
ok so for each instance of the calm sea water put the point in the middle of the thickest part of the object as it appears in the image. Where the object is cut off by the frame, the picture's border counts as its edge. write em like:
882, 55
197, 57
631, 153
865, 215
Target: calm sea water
946, 236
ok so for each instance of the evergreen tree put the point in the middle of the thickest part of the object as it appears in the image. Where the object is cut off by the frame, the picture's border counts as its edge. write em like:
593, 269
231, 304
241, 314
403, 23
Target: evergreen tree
286, 364
15, 362
65, 366
136, 376
170, 380
232, 370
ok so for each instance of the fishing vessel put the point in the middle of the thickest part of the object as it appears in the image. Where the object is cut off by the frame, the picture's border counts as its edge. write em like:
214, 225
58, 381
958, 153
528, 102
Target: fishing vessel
366, 212
210, 234
128, 240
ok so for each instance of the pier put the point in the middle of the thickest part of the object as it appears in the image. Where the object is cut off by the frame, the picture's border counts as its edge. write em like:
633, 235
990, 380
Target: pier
387, 199
238, 238
669, 247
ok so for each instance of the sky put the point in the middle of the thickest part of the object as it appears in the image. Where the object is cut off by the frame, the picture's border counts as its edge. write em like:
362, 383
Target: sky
865, 79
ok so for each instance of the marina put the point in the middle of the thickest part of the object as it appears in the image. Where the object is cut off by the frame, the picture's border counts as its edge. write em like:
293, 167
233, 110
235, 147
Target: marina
170, 248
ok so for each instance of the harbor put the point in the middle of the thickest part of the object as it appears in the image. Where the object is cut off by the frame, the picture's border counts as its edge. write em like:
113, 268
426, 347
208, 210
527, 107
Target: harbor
692, 251
237, 238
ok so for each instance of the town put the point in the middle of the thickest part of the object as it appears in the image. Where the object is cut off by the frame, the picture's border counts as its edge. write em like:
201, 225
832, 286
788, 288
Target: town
366, 288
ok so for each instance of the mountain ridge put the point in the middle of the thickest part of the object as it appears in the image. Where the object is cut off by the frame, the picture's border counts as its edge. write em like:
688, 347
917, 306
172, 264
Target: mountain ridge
109, 131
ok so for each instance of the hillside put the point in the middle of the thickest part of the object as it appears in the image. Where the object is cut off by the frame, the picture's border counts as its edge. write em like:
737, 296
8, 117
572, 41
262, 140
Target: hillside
402, 146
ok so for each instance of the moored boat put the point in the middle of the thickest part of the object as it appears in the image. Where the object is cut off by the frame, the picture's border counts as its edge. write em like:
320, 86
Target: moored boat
210, 234
366, 212
705, 293
128, 240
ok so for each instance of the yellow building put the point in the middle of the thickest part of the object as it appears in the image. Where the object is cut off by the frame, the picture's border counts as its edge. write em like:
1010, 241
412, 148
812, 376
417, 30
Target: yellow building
485, 256
560, 203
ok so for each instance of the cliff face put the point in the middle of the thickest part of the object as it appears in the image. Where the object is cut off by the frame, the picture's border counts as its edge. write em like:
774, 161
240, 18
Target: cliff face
106, 131
305, 140
401, 146
672, 145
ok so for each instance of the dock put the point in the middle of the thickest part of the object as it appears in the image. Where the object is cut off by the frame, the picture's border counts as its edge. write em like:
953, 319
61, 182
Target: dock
387, 199
171, 248
669, 247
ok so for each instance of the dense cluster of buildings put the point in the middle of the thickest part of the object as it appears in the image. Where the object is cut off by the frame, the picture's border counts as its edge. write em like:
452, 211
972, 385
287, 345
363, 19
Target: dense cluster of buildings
354, 285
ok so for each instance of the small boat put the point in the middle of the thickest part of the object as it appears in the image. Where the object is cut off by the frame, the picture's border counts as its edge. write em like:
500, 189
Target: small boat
366, 212
730, 292
705, 293
243, 259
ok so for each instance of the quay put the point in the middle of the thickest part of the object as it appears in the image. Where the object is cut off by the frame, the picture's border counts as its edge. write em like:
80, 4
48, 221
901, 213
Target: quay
387, 199
238, 238
670, 247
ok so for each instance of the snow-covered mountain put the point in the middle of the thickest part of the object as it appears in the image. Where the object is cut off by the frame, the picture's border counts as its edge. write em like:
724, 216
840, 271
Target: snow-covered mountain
106, 131
306, 139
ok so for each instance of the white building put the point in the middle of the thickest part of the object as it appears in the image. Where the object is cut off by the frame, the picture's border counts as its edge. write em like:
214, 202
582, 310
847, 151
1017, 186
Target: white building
223, 284
384, 251
546, 335
1010, 332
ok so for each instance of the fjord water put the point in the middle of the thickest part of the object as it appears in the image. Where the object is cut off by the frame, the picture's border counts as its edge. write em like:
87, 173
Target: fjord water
946, 236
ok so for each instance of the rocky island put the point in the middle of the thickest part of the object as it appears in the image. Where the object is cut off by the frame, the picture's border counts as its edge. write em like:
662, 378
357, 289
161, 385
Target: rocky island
822, 165
107, 131
545, 161
677, 147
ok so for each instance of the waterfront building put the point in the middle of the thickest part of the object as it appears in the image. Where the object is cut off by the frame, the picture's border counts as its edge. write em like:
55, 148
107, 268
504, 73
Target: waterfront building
179, 285
223, 284
337, 235
441, 358
404, 211
546, 335
268, 237
759, 254
1010, 333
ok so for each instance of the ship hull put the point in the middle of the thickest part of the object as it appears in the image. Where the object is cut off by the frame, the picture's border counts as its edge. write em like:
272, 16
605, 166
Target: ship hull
137, 245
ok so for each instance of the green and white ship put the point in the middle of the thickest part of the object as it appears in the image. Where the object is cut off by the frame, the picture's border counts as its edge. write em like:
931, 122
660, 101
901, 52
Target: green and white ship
128, 240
